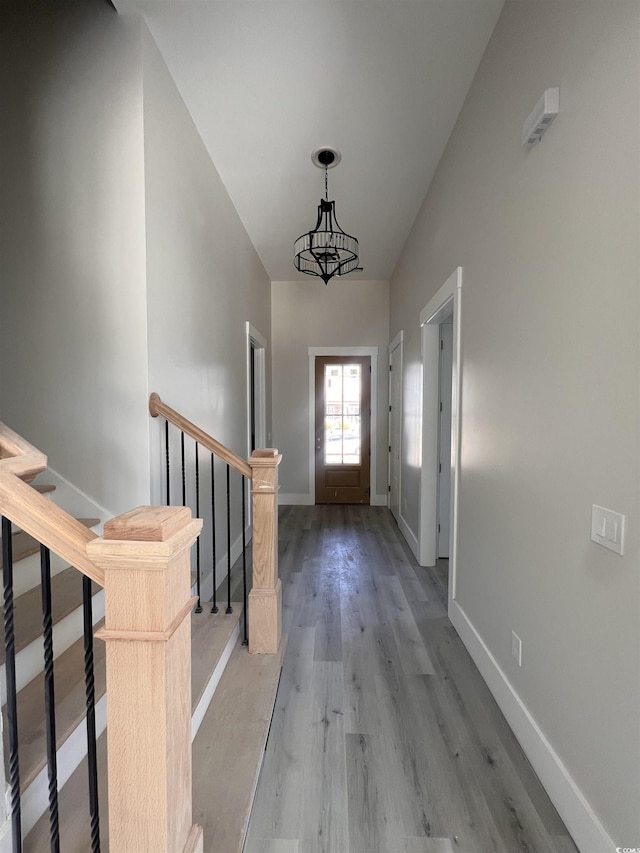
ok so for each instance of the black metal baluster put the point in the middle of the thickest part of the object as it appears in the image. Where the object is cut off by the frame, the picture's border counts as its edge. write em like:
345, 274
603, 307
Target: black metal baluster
198, 605
245, 641
214, 606
12, 693
184, 481
166, 453
91, 715
229, 607
49, 697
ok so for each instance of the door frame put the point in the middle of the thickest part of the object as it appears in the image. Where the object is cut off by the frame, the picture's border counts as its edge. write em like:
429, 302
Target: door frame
338, 351
396, 343
446, 300
259, 343
443, 461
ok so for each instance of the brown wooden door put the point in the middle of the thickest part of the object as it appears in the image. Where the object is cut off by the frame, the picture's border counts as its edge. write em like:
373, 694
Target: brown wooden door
343, 427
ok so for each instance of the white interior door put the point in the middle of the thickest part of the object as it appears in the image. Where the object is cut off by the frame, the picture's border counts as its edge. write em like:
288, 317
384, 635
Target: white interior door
444, 438
395, 417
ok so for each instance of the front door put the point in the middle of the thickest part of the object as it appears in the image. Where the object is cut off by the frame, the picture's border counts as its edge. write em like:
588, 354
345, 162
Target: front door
343, 423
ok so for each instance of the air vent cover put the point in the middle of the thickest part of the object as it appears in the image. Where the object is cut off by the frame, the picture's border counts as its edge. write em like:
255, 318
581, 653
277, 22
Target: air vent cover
540, 119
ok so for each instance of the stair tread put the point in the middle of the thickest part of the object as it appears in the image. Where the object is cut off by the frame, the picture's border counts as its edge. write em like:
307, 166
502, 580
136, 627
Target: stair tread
24, 545
73, 807
44, 489
69, 688
209, 635
225, 774
229, 748
66, 596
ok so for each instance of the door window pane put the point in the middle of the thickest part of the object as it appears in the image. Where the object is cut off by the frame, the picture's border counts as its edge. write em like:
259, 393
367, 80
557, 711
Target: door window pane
342, 415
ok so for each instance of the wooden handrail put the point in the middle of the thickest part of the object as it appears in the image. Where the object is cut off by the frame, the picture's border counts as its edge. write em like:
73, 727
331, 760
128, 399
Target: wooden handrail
48, 524
33, 513
19, 457
157, 407
143, 562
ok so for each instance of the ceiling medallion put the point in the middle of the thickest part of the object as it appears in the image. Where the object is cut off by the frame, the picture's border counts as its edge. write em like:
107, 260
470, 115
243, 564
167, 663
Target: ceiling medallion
326, 250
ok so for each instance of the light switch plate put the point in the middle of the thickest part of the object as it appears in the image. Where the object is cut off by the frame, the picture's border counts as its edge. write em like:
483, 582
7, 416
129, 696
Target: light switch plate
607, 528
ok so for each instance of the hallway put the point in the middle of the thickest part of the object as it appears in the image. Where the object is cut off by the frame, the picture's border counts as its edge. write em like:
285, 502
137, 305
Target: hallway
384, 738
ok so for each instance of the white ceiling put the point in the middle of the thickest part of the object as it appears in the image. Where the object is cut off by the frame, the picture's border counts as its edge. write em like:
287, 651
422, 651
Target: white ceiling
268, 81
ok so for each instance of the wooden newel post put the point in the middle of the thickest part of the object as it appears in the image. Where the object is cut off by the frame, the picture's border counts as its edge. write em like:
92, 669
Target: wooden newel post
145, 557
265, 598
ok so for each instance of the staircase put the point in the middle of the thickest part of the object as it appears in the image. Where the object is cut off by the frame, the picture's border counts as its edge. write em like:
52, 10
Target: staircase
69, 667
232, 698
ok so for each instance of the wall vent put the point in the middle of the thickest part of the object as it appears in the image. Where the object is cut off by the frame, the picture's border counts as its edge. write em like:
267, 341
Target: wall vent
541, 117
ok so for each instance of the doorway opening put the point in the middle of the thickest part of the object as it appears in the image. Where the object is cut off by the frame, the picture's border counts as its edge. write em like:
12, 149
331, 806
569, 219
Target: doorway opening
441, 311
444, 437
396, 349
256, 390
343, 429
371, 412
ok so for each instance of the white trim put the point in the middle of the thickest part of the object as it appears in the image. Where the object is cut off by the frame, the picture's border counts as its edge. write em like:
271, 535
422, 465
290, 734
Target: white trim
399, 338
398, 341
372, 352
36, 797
295, 500
410, 536
583, 824
260, 345
378, 500
314, 351
72, 499
308, 500
448, 297
207, 694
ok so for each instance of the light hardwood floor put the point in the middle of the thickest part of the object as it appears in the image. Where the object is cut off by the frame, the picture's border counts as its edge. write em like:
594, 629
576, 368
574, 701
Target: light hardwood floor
385, 738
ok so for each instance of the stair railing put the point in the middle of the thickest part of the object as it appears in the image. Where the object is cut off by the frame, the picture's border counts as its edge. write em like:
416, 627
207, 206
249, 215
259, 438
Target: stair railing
262, 607
142, 561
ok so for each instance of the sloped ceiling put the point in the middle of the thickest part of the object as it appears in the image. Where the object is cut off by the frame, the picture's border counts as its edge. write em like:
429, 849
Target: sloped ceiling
267, 81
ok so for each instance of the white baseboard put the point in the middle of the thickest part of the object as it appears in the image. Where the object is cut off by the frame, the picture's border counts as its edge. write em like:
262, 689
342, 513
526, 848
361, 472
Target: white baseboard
35, 799
205, 700
586, 829
309, 500
71, 499
295, 500
410, 536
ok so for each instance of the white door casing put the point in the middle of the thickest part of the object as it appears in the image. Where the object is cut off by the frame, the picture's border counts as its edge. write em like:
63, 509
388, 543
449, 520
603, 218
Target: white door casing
256, 397
437, 309
444, 438
395, 423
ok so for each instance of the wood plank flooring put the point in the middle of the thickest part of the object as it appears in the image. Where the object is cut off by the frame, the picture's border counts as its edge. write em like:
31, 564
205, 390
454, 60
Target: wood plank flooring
385, 738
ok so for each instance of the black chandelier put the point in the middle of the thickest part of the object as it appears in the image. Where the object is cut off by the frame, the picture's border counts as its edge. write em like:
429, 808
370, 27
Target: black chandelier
327, 250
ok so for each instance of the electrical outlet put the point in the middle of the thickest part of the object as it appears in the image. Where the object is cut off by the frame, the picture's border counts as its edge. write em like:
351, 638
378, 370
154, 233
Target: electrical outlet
516, 648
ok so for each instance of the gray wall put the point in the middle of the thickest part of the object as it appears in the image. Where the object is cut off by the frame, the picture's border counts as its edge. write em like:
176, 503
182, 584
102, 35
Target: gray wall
311, 314
125, 267
73, 347
204, 277
548, 242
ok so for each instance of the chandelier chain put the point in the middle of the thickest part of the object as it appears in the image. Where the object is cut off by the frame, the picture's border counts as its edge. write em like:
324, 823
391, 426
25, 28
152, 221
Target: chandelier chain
326, 183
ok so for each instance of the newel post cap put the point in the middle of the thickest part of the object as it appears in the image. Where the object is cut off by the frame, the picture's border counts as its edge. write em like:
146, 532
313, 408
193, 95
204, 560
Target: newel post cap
154, 534
145, 558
